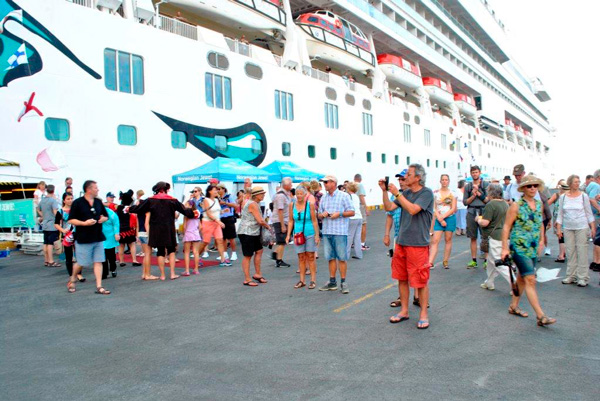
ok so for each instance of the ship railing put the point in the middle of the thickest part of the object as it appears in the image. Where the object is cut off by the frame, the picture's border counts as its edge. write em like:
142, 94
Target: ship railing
314, 73
238, 47
178, 27
85, 3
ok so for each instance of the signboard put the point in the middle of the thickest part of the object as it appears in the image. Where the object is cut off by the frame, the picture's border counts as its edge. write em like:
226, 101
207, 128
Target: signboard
17, 213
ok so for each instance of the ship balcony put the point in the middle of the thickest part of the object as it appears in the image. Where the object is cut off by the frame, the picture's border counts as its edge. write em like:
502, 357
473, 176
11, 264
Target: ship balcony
238, 47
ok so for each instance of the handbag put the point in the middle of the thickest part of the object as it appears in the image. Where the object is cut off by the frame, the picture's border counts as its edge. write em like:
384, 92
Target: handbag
299, 238
267, 236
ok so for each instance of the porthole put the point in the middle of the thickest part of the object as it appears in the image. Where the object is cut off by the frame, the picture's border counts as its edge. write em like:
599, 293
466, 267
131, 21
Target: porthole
350, 99
253, 71
330, 93
406, 116
367, 104
417, 120
218, 60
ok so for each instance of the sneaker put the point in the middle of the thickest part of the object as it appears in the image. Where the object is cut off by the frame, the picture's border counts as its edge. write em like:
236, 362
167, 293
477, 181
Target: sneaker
213, 249
472, 264
487, 287
329, 287
580, 283
345, 289
485, 265
568, 280
281, 263
233, 256
205, 255
547, 251
226, 257
365, 247
227, 263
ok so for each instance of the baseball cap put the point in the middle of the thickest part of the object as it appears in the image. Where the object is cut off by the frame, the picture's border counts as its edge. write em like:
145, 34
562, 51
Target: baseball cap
519, 169
213, 181
329, 178
402, 173
110, 195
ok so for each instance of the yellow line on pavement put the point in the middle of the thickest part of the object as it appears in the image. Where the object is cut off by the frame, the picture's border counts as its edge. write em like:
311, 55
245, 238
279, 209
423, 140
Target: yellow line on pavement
379, 291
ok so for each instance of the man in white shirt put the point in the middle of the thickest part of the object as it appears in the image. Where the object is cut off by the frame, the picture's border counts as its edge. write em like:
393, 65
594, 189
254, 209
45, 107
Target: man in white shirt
511, 193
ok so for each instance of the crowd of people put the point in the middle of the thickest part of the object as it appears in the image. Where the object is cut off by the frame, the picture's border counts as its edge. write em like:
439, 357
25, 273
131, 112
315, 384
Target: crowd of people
507, 223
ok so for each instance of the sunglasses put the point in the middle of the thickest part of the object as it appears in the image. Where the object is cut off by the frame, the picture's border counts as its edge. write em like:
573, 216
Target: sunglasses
532, 186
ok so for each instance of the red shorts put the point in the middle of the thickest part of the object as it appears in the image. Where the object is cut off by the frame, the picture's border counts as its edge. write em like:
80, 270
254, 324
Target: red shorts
211, 229
411, 263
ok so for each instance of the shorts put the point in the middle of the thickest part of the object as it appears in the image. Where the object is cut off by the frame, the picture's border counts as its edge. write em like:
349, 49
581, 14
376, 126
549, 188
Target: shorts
525, 265
335, 246
229, 230
211, 229
411, 263
472, 226
308, 246
363, 212
144, 240
597, 237
50, 237
450, 224
162, 251
88, 254
250, 244
279, 236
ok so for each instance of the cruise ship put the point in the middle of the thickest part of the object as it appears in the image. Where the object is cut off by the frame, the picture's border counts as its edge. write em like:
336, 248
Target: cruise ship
128, 92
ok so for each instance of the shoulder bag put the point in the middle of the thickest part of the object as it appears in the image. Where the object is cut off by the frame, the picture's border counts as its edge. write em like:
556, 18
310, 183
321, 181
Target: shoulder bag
299, 238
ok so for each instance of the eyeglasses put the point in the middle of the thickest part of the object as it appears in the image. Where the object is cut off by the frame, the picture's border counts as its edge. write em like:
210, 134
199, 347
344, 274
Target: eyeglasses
93, 210
532, 186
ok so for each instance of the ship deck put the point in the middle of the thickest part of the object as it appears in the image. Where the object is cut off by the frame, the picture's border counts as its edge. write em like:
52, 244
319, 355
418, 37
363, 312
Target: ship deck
210, 338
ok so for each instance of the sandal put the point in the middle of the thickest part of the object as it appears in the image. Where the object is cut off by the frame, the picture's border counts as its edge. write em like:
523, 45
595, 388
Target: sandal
312, 285
545, 321
300, 284
398, 318
518, 312
559, 260
151, 277
184, 274
82, 280
102, 291
260, 279
396, 303
445, 264
53, 264
423, 324
250, 283
70, 286
417, 303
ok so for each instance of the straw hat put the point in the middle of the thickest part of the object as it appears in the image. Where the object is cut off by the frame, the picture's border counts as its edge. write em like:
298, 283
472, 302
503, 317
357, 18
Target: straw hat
531, 180
257, 190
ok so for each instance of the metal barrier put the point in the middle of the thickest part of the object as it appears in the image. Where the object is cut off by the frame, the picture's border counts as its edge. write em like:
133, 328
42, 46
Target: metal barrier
178, 27
314, 73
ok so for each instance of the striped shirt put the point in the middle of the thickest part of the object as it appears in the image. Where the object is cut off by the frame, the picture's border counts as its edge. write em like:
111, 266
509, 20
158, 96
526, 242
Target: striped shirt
338, 202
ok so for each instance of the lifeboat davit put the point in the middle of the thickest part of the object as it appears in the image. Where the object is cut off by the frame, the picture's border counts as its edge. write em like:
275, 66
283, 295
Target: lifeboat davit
400, 71
336, 42
267, 16
438, 90
466, 104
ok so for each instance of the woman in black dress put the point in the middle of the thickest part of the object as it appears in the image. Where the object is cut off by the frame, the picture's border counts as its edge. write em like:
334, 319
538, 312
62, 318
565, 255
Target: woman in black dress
161, 235
127, 229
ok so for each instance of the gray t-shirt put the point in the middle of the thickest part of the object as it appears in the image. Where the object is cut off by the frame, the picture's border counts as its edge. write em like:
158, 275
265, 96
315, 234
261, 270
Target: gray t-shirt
48, 206
281, 202
414, 230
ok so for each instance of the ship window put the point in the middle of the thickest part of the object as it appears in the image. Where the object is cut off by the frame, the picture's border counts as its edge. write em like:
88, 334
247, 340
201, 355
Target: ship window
437, 163
313, 19
408, 160
333, 153
407, 133
218, 60
331, 116
217, 91
127, 135
253, 71
406, 117
312, 151
350, 99
220, 143
396, 159
367, 124
480, 150
427, 135
124, 71
383, 158
427, 162
330, 93
286, 148
257, 146
178, 139
367, 104
284, 105
369, 157
444, 164
417, 120
57, 129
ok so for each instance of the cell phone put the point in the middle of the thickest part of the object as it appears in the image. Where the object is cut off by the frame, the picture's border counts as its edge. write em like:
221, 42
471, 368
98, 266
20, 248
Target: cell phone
387, 182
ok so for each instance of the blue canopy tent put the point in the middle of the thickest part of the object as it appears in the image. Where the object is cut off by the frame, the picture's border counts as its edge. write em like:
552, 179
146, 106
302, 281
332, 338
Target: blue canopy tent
484, 177
223, 169
289, 169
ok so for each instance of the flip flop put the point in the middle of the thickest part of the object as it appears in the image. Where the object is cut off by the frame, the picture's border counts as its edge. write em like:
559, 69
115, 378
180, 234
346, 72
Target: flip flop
261, 279
102, 291
397, 318
174, 278
300, 284
150, 278
250, 283
70, 286
421, 323
185, 274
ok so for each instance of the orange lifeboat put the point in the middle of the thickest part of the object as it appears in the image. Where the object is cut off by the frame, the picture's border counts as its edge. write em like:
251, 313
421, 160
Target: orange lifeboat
438, 90
399, 71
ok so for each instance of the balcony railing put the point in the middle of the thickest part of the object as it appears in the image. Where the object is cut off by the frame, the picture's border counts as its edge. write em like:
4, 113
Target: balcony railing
238, 47
178, 27
314, 73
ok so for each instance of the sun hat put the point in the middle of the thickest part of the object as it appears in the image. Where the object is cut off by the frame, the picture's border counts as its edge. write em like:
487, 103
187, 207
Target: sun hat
257, 190
531, 179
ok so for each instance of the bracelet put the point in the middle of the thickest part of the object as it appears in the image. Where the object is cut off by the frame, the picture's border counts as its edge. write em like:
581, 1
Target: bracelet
398, 195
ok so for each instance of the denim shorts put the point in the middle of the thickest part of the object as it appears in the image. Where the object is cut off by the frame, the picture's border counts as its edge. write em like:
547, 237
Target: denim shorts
308, 246
450, 224
525, 265
335, 247
88, 254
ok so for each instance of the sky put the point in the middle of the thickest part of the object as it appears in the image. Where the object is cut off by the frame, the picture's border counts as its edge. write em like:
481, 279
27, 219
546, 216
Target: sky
558, 42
